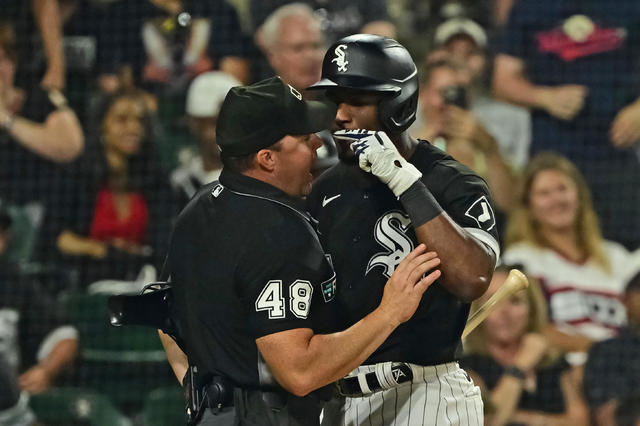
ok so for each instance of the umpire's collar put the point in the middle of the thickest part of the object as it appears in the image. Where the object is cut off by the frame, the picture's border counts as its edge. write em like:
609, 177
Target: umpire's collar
248, 186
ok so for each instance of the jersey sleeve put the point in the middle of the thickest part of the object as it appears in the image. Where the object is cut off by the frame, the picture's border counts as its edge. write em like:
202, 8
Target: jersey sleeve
466, 199
287, 283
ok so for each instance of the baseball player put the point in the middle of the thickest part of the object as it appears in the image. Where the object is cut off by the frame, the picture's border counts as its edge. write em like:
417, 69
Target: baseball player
388, 193
253, 288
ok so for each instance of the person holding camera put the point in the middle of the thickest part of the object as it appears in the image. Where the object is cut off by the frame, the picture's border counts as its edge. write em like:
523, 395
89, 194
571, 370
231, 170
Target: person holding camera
451, 126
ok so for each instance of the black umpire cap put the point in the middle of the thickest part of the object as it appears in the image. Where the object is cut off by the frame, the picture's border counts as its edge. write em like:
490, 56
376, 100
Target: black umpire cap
257, 116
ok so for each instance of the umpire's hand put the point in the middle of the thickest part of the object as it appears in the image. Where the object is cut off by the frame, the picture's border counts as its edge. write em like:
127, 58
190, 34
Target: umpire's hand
404, 290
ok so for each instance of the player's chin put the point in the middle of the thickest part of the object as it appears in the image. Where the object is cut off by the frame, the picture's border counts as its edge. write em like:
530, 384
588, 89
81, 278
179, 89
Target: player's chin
345, 153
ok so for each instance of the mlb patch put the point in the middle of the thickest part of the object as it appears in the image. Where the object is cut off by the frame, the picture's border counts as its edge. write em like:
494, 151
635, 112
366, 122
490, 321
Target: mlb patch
329, 289
482, 213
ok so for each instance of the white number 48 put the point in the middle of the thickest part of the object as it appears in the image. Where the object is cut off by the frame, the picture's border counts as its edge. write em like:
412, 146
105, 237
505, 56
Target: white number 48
271, 300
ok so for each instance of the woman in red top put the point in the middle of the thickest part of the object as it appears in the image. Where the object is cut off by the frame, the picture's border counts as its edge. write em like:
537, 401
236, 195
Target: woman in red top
120, 197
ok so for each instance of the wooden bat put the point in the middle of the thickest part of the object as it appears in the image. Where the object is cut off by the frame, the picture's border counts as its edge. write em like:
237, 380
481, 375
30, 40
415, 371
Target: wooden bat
515, 282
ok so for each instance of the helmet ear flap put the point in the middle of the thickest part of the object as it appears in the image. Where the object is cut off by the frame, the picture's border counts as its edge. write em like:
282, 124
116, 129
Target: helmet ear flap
396, 115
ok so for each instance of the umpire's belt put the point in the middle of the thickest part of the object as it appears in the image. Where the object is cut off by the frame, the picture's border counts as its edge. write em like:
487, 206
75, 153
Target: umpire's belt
385, 375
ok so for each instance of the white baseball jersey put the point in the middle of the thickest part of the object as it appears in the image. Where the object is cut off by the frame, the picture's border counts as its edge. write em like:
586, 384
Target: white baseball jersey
582, 298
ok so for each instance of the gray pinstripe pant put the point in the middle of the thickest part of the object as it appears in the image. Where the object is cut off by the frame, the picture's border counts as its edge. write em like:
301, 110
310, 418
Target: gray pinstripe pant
438, 395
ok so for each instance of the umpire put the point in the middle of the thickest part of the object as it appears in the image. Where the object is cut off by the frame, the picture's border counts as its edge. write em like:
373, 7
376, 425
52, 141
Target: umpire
254, 292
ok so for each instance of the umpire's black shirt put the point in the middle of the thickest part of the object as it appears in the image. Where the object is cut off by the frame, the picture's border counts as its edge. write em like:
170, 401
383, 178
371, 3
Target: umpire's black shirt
246, 262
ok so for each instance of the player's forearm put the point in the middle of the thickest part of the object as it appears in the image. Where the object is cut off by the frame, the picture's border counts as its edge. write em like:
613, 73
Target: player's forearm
467, 265
328, 357
59, 139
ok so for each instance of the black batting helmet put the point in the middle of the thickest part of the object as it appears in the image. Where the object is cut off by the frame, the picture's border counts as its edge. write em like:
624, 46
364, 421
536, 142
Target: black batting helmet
375, 64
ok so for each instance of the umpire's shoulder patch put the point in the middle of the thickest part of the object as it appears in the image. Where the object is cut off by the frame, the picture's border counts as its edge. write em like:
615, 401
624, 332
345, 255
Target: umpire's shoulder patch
482, 213
217, 190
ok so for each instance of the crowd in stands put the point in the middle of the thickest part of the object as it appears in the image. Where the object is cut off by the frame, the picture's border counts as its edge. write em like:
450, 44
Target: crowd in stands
107, 128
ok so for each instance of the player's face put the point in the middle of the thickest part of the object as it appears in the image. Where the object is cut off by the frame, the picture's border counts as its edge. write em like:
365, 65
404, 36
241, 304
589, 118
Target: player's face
297, 56
356, 110
294, 160
123, 127
553, 200
508, 322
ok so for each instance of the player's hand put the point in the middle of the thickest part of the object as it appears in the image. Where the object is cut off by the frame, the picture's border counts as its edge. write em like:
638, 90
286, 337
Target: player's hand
533, 348
404, 289
564, 102
35, 380
379, 156
625, 130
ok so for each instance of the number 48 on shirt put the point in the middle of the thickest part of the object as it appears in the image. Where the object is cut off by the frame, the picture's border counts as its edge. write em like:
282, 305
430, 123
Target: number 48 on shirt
271, 299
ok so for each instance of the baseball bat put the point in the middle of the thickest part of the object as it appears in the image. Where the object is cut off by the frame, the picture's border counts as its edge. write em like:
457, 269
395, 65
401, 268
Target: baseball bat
515, 282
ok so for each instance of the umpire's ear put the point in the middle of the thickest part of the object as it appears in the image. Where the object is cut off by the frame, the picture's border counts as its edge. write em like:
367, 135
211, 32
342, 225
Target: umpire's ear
266, 159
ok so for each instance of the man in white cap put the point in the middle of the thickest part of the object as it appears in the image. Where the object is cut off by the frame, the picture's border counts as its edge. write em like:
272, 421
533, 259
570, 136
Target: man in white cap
205, 95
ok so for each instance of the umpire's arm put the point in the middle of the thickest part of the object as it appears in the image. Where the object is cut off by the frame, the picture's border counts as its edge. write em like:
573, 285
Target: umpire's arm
302, 361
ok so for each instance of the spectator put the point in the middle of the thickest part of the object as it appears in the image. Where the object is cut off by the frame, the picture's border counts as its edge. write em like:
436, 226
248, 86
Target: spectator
34, 340
38, 132
528, 382
120, 204
39, 24
628, 411
204, 98
574, 65
449, 124
293, 42
5, 226
611, 373
14, 408
47, 14
168, 42
464, 43
338, 19
553, 231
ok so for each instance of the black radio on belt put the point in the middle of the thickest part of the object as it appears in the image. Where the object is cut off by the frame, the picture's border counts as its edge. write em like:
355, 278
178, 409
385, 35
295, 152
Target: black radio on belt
201, 393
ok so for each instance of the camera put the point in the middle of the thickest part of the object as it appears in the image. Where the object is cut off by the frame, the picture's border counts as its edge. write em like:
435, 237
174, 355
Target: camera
455, 95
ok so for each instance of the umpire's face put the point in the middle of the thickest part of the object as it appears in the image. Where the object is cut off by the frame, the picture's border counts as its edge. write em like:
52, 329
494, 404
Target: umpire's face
293, 158
357, 109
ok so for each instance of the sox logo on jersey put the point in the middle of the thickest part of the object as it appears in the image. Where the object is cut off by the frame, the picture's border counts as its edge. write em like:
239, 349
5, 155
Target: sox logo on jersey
391, 233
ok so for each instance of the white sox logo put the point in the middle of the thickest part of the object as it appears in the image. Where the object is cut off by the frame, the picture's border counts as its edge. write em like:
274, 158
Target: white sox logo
390, 232
340, 58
